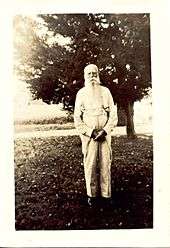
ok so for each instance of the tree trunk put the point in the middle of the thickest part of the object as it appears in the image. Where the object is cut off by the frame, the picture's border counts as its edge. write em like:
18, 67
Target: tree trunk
121, 115
130, 130
125, 116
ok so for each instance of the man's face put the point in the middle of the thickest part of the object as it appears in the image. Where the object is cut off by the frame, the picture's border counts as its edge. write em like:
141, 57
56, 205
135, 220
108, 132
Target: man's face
91, 76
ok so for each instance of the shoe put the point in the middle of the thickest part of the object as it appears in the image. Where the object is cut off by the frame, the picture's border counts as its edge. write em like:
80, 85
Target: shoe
106, 203
91, 201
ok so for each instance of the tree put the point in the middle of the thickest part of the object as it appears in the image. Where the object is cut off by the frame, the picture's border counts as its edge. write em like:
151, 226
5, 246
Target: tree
36, 60
117, 43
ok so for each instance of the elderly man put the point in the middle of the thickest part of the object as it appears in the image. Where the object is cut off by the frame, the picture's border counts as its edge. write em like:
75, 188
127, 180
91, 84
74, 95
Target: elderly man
95, 117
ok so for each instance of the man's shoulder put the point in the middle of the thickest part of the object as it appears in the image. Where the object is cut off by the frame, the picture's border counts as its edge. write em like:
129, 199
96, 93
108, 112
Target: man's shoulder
84, 89
81, 91
104, 88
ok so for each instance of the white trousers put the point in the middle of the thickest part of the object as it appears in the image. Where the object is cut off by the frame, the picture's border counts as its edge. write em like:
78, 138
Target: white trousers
98, 157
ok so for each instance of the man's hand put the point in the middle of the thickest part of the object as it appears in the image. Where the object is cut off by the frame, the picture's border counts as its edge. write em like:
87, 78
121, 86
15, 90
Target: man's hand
94, 133
101, 135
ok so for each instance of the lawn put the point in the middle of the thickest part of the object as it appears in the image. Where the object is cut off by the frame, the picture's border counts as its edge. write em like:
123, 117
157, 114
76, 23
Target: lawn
50, 186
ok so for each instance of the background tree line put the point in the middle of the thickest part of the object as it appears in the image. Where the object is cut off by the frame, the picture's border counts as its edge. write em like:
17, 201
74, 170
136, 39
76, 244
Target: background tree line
119, 44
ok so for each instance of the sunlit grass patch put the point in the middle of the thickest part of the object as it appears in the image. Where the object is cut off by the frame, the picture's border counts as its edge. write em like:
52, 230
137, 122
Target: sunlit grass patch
41, 114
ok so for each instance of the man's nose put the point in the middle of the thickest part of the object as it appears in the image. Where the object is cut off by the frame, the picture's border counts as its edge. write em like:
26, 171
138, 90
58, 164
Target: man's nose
92, 74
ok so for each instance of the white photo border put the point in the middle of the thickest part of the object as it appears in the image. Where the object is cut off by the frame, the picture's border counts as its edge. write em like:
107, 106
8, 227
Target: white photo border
159, 236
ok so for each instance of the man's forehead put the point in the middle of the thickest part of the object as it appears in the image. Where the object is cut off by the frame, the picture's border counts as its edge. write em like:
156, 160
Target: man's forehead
90, 68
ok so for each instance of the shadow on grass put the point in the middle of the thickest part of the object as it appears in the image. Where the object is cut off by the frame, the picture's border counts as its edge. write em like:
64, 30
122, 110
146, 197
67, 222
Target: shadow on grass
50, 186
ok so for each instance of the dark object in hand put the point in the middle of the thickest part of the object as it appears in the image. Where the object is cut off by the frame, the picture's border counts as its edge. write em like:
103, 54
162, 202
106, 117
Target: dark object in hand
94, 133
101, 136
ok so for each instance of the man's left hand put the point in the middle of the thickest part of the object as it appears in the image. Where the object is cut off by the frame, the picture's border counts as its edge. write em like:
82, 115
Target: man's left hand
101, 135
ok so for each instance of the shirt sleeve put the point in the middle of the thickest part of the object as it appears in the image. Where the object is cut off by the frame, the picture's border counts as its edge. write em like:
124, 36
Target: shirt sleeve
81, 127
112, 115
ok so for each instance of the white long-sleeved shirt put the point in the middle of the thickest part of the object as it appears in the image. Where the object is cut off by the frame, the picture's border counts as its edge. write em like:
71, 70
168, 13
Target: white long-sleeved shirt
94, 108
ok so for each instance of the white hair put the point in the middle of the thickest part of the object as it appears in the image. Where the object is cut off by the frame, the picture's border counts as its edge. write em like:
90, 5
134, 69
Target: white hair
91, 66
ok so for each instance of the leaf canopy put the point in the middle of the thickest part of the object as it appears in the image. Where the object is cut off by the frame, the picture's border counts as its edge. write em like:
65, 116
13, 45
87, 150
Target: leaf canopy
119, 44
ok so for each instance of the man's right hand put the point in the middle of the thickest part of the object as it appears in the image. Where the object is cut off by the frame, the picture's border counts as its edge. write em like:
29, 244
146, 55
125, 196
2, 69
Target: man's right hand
94, 134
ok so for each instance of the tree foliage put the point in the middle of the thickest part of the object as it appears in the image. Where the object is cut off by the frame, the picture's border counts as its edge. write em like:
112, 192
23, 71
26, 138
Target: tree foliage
119, 44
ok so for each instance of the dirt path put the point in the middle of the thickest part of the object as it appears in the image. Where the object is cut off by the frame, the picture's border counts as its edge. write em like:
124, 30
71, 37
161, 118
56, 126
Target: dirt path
140, 130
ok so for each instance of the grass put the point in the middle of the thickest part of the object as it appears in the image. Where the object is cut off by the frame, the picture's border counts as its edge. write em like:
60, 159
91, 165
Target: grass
50, 186
41, 114
43, 127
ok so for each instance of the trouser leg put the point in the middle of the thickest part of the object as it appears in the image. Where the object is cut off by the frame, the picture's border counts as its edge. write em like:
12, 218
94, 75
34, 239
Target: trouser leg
105, 169
90, 166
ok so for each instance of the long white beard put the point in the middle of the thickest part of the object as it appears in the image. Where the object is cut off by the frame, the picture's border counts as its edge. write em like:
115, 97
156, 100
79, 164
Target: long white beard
93, 92
94, 82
